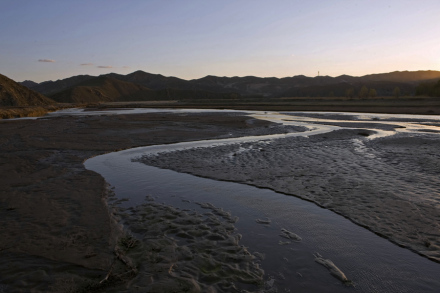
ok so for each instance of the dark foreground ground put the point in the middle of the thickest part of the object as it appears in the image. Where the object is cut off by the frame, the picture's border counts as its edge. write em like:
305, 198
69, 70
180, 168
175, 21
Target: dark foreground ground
58, 234
56, 231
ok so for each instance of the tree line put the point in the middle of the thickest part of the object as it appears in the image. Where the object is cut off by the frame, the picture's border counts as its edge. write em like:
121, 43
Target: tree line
370, 90
431, 89
364, 92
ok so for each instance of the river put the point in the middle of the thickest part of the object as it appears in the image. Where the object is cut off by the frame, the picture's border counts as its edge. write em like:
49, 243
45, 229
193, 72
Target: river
372, 263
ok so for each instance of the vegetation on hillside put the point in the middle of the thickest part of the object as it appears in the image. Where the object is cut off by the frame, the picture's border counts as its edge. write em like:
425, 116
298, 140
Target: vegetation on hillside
30, 111
14, 94
109, 89
431, 89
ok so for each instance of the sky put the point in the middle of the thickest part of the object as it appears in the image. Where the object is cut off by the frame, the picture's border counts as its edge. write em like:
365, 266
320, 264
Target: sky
48, 40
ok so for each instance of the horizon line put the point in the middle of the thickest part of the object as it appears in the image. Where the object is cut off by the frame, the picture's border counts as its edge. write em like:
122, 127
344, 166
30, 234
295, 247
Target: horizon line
319, 75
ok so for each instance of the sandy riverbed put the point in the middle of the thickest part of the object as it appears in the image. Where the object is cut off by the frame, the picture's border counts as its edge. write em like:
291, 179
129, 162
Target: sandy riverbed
57, 233
389, 185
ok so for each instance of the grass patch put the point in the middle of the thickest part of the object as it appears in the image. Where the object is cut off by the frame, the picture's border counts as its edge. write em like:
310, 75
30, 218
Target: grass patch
30, 111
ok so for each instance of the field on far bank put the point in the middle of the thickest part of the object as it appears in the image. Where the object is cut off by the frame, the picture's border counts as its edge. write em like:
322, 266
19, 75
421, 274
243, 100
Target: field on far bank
389, 105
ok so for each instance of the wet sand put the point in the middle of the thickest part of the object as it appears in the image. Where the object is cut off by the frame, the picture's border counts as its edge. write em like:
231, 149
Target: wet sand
57, 232
288, 231
389, 185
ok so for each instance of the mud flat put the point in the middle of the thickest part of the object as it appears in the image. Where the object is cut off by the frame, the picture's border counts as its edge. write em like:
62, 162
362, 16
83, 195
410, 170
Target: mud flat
301, 247
60, 234
389, 185
182, 250
57, 233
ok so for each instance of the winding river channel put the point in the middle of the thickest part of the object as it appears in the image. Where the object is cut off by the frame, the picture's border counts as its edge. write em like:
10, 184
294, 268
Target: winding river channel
372, 263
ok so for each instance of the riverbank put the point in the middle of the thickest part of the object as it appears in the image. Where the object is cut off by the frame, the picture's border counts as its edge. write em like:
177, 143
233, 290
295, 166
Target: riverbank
56, 228
419, 105
30, 111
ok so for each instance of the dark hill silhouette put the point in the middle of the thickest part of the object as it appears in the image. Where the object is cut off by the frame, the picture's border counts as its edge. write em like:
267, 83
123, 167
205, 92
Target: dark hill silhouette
51, 87
383, 88
153, 81
15, 94
279, 87
29, 83
270, 87
101, 89
106, 88
404, 76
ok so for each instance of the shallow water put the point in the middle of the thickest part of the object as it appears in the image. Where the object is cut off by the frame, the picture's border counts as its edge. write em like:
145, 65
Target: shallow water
371, 262
84, 112
313, 120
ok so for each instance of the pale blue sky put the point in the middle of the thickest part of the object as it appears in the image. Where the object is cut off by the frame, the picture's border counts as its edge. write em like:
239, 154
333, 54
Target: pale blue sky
191, 39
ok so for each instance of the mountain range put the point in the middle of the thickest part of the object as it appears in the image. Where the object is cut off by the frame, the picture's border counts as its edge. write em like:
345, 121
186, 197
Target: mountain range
141, 85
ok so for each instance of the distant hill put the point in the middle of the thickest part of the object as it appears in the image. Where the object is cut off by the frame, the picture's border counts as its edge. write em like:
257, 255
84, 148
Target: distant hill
51, 87
404, 76
28, 83
303, 86
382, 88
101, 89
15, 94
153, 81
156, 86
106, 88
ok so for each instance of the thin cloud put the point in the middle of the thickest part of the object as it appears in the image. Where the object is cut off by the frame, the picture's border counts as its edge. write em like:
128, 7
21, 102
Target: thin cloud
46, 60
86, 64
104, 66
125, 66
